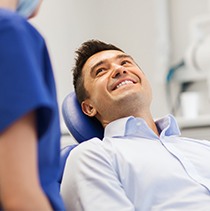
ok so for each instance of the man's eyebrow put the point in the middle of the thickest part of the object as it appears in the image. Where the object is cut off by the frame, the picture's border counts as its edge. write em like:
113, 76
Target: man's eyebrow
96, 65
124, 56
128, 57
120, 56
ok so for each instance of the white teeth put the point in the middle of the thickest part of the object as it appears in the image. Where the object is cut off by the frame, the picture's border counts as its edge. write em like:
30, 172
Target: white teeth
124, 83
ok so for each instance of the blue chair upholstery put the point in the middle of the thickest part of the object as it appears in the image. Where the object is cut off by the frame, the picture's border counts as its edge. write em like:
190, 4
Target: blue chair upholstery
80, 126
63, 156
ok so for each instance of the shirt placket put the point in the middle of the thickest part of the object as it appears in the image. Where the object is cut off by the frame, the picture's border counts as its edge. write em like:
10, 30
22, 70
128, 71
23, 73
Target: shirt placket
188, 166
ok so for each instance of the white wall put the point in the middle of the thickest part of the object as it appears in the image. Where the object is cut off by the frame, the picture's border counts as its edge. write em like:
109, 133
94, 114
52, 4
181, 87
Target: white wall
182, 12
139, 27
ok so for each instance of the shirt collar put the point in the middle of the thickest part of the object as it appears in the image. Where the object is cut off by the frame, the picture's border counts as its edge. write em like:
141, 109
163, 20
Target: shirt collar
131, 126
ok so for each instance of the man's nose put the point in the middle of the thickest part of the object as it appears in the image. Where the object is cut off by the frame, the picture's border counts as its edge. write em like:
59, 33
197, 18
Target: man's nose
118, 71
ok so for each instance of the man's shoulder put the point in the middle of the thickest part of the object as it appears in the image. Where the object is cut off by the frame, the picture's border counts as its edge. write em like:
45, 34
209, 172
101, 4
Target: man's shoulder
89, 149
90, 144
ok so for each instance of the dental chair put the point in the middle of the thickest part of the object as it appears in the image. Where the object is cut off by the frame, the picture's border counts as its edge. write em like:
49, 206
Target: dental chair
81, 127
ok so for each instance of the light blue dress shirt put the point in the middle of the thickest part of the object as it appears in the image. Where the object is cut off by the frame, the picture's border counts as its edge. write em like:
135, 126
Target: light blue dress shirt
134, 169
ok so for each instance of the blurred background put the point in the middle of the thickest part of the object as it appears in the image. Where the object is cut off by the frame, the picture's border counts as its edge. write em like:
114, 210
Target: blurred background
159, 34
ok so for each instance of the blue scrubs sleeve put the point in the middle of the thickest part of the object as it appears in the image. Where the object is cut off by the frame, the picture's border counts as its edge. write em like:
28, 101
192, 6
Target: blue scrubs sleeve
22, 77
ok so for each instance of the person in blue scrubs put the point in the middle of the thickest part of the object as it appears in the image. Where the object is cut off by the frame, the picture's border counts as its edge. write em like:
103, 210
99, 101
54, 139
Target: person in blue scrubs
29, 118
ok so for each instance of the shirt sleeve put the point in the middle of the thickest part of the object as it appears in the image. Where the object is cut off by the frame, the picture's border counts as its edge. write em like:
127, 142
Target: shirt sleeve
90, 181
22, 85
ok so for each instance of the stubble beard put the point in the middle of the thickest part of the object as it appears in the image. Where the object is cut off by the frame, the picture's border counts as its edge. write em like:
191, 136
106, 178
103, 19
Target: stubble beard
134, 104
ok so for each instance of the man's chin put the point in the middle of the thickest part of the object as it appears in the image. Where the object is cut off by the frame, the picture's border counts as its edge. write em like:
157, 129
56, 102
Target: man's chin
126, 98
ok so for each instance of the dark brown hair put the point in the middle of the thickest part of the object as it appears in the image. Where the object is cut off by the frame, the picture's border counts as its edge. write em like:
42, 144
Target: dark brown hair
86, 50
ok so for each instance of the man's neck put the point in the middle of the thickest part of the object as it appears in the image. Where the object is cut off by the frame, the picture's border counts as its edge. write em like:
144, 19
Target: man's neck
150, 122
148, 119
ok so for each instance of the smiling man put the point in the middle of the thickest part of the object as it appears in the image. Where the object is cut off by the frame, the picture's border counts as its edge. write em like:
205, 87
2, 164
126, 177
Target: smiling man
140, 164
113, 77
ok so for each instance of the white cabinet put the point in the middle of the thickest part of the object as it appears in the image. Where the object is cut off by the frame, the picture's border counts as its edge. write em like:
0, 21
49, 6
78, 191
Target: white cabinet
198, 127
184, 75
195, 128
197, 132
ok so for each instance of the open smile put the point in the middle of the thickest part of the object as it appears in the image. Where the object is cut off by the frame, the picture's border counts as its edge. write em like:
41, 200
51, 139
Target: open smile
123, 83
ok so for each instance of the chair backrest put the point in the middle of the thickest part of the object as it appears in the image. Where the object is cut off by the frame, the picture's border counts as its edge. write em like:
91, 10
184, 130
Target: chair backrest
80, 125
64, 153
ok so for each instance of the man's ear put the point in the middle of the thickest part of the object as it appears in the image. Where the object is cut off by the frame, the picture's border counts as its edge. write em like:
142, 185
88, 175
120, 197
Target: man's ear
88, 108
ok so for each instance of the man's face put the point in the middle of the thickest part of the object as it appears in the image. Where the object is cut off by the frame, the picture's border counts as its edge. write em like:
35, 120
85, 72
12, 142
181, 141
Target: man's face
116, 86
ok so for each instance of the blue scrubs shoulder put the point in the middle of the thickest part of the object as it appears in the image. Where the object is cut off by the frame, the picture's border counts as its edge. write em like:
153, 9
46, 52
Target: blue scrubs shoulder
27, 84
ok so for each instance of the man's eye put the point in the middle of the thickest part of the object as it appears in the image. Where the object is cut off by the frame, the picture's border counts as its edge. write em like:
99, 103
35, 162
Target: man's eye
125, 62
99, 71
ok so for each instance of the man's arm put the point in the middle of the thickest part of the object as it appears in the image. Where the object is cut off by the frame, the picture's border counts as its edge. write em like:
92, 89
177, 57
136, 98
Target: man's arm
90, 181
19, 181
